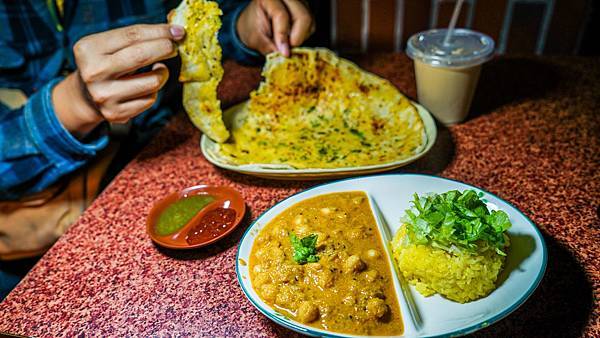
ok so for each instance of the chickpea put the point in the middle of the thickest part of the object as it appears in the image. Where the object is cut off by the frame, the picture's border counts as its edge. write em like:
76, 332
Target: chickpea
308, 312
321, 240
288, 273
349, 300
276, 255
299, 220
372, 254
261, 278
313, 266
377, 308
354, 264
356, 233
268, 292
324, 279
284, 298
302, 230
371, 276
325, 211
358, 200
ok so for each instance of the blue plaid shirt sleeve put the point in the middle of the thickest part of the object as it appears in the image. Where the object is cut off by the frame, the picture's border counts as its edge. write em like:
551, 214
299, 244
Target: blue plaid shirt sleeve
36, 149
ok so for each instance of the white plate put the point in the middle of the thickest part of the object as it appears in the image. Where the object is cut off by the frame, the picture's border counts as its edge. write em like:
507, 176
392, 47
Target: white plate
432, 316
210, 151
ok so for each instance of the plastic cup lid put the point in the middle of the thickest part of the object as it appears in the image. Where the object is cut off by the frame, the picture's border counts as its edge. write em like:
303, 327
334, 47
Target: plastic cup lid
466, 48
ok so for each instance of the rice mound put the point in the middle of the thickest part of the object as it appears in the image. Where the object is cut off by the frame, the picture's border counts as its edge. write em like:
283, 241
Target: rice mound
461, 277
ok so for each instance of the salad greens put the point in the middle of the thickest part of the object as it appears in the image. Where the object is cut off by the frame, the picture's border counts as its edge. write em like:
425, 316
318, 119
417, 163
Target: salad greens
456, 221
305, 249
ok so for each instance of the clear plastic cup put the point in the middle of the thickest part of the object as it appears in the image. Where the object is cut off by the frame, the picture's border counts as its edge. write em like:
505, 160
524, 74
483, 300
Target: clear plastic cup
447, 75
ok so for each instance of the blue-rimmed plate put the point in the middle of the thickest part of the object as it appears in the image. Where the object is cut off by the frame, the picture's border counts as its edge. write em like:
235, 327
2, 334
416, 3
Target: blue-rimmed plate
423, 316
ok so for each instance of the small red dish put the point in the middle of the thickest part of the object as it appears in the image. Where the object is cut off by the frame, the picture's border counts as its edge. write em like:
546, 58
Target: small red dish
212, 222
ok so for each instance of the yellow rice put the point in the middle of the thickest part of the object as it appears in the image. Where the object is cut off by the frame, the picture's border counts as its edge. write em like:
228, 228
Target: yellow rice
460, 277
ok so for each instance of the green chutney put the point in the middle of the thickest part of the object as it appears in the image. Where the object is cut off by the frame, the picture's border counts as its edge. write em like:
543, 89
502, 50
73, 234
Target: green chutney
178, 214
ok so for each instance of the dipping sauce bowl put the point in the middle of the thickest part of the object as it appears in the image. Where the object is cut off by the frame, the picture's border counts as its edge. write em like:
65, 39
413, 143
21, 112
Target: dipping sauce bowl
194, 217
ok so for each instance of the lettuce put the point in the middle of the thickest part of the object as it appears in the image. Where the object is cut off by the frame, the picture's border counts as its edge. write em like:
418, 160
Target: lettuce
456, 221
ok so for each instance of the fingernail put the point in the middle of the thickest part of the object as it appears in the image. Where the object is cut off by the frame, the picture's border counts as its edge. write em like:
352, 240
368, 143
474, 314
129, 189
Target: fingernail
177, 31
284, 48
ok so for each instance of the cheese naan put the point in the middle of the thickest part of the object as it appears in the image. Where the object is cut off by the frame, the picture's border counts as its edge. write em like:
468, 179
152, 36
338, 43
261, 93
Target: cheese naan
201, 69
316, 110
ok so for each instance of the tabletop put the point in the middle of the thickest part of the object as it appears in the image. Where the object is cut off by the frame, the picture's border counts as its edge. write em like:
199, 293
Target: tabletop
532, 138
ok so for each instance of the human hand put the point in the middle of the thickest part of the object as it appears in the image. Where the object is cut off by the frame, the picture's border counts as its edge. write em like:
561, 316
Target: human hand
104, 87
275, 25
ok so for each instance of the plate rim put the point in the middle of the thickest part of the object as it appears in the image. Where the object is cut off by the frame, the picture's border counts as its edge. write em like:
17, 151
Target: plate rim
464, 331
429, 126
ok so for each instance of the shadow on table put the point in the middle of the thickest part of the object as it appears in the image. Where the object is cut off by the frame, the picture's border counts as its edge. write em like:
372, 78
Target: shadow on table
438, 158
506, 80
521, 247
269, 183
214, 249
167, 140
560, 307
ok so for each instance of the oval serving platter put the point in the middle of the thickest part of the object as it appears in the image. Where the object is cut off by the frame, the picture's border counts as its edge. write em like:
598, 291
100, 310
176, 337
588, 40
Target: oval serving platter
210, 151
390, 195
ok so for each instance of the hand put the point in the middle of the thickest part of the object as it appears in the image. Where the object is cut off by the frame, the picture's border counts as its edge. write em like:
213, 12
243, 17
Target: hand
104, 87
273, 25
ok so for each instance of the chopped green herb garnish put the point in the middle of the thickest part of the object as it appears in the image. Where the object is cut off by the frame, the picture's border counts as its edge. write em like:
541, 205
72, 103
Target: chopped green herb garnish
357, 133
456, 221
305, 249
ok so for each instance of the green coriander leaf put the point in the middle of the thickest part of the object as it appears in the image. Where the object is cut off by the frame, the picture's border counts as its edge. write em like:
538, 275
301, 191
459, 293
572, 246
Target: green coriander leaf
305, 249
357, 133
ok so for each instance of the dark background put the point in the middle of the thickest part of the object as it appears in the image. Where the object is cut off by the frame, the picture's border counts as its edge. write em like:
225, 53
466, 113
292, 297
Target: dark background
572, 30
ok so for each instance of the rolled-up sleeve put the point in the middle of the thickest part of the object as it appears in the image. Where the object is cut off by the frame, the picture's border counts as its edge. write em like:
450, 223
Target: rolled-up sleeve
36, 150
229, 39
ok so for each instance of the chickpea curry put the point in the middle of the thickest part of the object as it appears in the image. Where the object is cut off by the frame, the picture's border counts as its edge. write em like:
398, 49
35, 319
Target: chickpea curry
322, 263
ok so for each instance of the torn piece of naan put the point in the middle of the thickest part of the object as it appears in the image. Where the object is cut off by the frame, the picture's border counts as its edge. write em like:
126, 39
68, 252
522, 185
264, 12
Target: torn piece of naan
316, 110
201, 69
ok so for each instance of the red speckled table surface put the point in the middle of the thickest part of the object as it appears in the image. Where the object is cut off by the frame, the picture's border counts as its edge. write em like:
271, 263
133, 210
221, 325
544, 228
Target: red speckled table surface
532, 138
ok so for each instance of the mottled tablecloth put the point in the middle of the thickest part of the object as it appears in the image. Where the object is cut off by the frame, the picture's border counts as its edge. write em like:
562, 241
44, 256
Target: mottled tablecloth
532, 138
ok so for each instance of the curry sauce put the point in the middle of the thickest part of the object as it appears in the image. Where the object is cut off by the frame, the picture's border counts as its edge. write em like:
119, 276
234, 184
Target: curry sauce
348, 287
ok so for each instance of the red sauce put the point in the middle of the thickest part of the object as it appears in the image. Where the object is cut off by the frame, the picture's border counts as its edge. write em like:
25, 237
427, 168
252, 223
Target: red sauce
211, 225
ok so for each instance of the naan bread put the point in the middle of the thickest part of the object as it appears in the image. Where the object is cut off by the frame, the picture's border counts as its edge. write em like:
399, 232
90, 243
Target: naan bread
201, 69
315, 110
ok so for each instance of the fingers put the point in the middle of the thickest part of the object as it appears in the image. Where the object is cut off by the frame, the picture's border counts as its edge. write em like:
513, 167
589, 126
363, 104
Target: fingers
280, 21
133, 86
120, 100
263, 40
117, 39
254, 29
265, 45
125, 111
302, 22
140, 55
